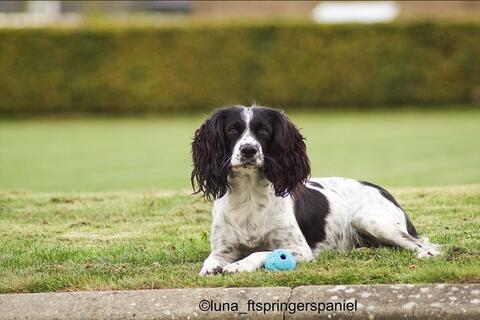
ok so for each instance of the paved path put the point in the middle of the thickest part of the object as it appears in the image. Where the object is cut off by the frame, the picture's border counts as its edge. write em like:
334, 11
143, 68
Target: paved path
452, 301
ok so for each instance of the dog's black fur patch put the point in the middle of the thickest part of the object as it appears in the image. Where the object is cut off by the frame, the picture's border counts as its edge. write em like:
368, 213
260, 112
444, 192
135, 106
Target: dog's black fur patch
311, 209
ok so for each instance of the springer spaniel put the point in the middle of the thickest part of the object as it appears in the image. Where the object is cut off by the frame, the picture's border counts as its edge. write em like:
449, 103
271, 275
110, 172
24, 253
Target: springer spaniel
253, 163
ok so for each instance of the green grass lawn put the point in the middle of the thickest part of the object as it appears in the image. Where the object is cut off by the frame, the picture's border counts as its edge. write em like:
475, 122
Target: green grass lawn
133, 240
390, 148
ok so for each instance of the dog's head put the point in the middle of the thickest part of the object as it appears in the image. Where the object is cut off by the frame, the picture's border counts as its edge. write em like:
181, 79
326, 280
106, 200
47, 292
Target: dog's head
238, 139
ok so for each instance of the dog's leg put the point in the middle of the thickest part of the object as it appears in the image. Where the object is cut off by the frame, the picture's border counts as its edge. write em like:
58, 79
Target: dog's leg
224, 251
252, 262
219, 257
385, 230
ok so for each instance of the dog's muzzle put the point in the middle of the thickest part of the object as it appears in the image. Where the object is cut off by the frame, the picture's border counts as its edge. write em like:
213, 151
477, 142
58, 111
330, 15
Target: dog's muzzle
249, 155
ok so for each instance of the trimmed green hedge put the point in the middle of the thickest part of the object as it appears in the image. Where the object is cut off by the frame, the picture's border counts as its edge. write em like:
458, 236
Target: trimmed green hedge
189, 68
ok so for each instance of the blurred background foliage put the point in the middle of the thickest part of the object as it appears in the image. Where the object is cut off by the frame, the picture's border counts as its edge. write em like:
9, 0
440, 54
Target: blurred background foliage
191, 68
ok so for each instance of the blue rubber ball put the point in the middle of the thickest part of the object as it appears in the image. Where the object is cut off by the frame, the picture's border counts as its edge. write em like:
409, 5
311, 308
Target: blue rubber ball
280, 260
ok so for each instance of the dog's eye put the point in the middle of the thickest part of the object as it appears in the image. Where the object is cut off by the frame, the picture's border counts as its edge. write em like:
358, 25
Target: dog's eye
232, 131
263, 131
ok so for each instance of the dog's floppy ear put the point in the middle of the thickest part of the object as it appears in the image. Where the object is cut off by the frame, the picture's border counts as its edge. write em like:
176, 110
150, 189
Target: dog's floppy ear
290, 166
210, 171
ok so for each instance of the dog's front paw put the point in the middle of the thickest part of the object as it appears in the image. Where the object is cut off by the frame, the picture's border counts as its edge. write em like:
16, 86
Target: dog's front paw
211, 270
429, 250
429, 253
240, 266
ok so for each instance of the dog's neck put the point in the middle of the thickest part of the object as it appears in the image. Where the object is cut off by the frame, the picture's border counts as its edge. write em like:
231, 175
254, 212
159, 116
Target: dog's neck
249, 185
248, 201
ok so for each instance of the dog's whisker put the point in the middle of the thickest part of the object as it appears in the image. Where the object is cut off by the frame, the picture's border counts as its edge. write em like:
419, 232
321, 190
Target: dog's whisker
226, 160
271, 159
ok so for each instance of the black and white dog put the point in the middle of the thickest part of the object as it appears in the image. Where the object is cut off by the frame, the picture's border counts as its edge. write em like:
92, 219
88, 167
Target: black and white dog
253, 163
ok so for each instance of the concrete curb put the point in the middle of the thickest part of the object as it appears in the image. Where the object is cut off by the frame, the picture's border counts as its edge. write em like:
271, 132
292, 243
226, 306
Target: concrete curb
441, 301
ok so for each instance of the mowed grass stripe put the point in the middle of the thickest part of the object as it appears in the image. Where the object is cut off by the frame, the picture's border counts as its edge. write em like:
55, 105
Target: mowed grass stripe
408, 148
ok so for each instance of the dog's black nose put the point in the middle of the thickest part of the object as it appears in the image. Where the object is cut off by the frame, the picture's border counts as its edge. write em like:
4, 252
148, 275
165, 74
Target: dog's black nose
248, 151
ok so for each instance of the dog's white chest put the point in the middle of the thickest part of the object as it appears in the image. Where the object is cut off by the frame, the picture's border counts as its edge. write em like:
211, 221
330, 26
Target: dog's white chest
249, 223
